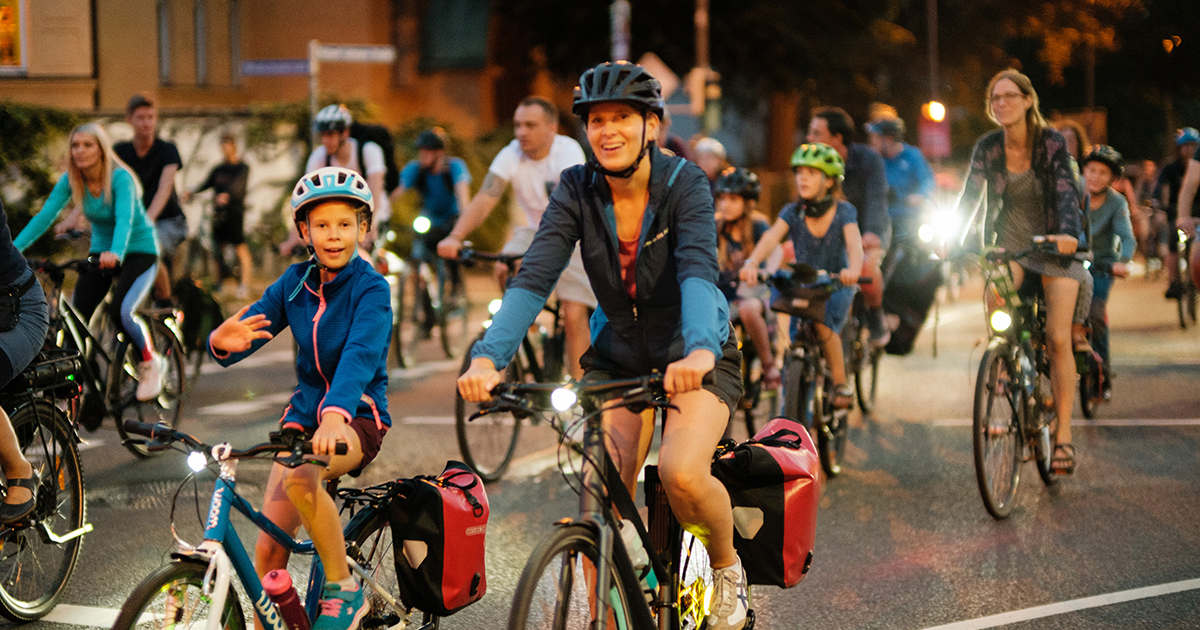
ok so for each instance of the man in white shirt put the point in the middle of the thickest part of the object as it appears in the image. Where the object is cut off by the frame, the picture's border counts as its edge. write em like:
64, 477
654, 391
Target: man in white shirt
532, 164
337, 148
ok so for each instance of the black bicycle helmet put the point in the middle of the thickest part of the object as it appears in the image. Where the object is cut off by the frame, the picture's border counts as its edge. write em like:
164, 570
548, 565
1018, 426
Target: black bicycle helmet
890, 127
1105, 155
434, 138
618, 82
739, 181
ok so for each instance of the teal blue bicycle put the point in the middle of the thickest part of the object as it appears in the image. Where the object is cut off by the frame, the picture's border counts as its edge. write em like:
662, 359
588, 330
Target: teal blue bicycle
197, 585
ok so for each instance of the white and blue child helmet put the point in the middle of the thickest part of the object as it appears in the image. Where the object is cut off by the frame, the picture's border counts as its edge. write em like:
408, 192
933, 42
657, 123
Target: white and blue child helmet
330, 183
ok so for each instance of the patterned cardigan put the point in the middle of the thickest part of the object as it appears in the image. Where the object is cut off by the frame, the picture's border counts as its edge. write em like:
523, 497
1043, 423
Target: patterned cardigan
1054, 171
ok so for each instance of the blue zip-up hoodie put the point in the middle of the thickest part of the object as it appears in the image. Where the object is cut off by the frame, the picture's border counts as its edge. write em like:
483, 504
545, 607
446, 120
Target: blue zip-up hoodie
343, 329
678, 307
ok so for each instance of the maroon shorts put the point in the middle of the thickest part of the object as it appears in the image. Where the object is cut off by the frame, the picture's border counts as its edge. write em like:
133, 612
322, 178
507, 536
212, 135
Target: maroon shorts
370, 437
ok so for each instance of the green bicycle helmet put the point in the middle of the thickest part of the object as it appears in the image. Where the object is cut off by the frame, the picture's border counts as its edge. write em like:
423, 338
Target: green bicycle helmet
1105, 155
822, 157
618, 82
739, 181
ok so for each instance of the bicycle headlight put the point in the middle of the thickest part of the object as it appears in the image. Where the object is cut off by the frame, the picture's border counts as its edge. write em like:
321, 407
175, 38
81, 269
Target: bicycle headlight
1000, 321
422, 225
197, 461
1183, 237
926, 233
494, 306
562, 399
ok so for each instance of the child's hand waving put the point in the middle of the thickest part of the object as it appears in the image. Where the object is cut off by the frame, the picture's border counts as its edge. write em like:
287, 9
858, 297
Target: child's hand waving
236, 334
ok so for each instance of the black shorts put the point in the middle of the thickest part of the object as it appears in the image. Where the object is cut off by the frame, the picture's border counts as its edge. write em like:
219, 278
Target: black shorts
228, 229
725, 380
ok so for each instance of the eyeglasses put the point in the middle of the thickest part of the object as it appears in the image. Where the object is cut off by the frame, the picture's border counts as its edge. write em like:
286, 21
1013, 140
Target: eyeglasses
1007, 99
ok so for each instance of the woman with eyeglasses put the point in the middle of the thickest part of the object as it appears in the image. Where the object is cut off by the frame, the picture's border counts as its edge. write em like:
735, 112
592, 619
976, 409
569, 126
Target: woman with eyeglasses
1025, 172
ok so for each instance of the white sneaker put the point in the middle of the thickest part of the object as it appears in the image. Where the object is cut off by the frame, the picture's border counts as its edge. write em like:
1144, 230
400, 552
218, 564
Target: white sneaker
150, 378
730, 600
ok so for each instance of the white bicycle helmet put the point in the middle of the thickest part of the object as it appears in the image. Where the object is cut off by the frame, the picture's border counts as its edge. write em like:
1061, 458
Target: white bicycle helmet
330, 182
333, 118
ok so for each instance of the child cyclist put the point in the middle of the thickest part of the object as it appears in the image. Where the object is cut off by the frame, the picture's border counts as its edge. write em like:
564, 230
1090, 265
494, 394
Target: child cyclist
740, 228
339, 309
644, 223
825, 235
1109, 222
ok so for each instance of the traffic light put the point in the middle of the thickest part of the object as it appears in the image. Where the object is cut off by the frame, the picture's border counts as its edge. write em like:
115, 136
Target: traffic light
934, 130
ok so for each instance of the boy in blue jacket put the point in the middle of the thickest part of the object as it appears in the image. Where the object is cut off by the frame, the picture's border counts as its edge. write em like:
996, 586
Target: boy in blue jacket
340, 312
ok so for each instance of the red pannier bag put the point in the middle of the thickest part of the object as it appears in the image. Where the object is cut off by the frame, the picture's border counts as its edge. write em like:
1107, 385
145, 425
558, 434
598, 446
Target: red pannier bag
438, 528
774, 486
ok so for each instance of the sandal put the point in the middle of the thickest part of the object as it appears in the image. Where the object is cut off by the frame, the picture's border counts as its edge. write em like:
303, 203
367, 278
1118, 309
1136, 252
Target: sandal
1063, 462
12, 512
843, 396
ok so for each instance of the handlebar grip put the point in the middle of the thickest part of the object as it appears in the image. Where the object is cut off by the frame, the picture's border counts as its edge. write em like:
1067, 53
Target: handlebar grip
341, 448
865, 280
152, 431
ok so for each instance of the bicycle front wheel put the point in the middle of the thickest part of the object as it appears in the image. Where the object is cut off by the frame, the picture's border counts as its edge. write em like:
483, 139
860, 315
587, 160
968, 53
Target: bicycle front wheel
487, 444
794, 393
832, 427
453, 318
122, 381
555, 591
173, 597
34, 571
1089, 386
996, 432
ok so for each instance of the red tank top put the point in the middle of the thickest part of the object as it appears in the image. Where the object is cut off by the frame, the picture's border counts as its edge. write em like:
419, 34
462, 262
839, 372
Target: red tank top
628, 255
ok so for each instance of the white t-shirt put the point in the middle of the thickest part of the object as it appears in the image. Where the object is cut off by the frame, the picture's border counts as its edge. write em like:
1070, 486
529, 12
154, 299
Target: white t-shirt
532, 180
372, 155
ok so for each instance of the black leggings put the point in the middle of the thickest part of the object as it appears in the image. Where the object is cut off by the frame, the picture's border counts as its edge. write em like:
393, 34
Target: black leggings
93, 285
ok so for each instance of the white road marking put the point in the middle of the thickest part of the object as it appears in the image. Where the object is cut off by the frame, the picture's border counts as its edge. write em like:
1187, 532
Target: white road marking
242, 407
252, 361
1038, 612
82, 615
427, 420
1099, 422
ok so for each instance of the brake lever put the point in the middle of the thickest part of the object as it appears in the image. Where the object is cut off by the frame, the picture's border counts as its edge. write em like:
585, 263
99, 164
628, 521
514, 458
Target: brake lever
503, 402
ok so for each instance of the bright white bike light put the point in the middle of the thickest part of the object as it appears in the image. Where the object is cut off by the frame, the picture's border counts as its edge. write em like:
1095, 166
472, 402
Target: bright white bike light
562, 399
494, 306
196, 461
422, 225
1001, 321
926, 233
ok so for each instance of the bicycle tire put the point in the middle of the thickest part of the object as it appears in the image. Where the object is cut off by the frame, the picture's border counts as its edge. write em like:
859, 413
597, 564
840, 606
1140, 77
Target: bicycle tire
539, 604
454, 316
1043, 450
34, 571
1089, 386
400, 350
832, 428
487, 444
161, 594
857, 350
866, 399
369, 541
996, 432
167, 408
422, 312
794, 387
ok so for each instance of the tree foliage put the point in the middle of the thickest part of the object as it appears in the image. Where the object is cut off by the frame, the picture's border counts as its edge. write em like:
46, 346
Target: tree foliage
25, 133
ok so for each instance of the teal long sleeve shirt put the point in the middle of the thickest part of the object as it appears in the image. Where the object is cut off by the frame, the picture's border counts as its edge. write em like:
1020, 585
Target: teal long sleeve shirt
1110, 222
119, 226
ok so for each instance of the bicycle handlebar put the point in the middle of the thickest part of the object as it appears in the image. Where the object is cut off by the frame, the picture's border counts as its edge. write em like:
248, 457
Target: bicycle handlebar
57, 270
280, 441
468, 256
640, 392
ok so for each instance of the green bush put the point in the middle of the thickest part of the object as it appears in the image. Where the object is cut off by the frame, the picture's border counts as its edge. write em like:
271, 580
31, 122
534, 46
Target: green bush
25, 133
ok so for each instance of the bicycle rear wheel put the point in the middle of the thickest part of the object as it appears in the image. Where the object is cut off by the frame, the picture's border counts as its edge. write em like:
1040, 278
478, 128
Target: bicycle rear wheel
996, 432
861, 361
173, 597
34, 571
695, 582
1089, 386
453, 319
794, 392
401, 351
370, 544
167, 408
423, 316
487, 444
554, 591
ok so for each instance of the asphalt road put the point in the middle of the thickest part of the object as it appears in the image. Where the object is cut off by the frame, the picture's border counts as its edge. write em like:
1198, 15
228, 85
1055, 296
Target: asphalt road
903, 540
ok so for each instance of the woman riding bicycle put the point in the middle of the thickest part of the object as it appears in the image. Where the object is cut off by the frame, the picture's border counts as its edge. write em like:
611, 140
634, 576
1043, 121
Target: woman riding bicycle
644, 221
340, 312
100, 184
22, 333
825, 235
1027, 175
740, 226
